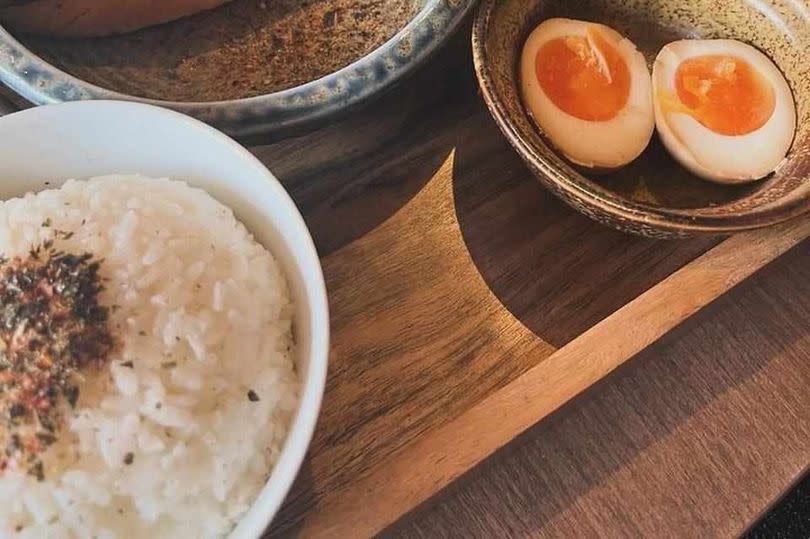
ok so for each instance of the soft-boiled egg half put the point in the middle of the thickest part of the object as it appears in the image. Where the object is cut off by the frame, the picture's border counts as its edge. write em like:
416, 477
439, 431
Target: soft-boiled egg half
589, 91
722, 109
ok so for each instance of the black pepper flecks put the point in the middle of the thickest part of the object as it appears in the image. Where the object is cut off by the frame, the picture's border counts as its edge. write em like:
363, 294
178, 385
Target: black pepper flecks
252, 396
129, 458
37, 471
72, 395
51, 327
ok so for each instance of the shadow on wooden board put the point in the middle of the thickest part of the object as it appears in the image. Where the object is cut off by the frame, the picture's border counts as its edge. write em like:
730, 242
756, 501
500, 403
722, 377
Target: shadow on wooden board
575, 473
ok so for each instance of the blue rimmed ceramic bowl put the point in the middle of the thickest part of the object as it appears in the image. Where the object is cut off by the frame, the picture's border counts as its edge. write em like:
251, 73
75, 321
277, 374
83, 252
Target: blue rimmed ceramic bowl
249, 67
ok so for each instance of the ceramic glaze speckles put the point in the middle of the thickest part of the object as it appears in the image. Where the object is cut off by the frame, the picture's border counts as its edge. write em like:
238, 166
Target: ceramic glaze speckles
654, 196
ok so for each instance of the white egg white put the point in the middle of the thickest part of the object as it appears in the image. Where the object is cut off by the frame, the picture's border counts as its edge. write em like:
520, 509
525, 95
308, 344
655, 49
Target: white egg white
714, 156
606, 144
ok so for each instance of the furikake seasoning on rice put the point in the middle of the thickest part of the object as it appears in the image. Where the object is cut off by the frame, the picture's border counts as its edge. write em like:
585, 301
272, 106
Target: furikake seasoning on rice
51, 327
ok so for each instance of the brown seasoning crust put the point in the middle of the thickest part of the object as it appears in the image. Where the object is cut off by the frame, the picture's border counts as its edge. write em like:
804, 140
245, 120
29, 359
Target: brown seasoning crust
242, 49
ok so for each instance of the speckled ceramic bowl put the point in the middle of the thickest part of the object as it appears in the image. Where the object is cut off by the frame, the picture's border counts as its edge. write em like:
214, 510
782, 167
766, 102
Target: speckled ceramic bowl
251, 66
654, 196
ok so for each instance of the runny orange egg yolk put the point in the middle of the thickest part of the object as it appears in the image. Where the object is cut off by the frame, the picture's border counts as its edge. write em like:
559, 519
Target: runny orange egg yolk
724, 93
585, 76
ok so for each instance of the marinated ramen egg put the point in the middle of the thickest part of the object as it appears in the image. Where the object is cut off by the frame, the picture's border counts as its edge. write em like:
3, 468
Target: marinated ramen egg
723, 109
588, 89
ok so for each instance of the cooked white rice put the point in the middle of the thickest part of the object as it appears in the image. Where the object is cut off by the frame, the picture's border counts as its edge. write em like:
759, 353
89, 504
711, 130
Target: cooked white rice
204, 315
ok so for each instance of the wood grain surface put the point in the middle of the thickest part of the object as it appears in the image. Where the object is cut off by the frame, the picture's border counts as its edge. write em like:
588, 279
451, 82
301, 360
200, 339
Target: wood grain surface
468, 303
388, 489
693, 438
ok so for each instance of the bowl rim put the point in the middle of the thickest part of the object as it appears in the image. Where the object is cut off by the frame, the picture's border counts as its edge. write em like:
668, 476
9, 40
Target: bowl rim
557, 177
299, 436
295, 101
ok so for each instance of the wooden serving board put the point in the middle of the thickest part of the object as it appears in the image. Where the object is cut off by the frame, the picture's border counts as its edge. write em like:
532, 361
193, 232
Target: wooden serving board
467, 302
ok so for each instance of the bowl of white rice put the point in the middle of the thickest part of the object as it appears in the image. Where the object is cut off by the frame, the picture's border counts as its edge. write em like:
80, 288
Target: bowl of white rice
164, 328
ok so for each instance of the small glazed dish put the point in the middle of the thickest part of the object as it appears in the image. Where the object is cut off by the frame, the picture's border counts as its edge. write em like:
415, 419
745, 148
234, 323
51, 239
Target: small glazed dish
46, 145
654, 196
246, 67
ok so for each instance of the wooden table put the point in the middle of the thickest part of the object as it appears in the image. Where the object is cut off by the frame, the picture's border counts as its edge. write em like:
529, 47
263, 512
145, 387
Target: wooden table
465, 297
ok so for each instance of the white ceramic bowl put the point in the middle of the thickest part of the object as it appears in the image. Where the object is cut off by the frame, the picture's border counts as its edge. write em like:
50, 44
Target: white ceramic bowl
83, 139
